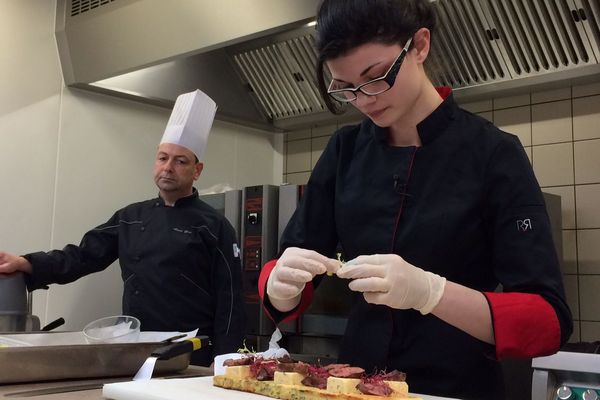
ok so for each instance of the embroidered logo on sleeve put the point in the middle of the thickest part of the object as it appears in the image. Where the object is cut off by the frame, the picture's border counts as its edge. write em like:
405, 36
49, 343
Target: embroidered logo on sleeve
524, 225
236, 250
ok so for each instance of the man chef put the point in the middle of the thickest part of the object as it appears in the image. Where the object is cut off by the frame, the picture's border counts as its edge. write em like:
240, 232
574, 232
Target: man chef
179, 257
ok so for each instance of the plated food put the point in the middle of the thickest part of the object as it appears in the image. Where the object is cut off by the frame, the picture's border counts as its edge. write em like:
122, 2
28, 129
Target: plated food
286, 379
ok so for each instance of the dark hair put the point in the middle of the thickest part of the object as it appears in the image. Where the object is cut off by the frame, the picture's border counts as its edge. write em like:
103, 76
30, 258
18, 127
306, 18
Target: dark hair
345, 24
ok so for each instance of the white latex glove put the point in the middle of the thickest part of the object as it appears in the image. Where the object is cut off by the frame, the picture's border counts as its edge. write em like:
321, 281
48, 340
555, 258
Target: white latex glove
294, 268
388, 279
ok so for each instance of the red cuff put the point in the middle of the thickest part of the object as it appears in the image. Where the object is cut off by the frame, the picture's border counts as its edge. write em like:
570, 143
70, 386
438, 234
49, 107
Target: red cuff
305, 300
525, 325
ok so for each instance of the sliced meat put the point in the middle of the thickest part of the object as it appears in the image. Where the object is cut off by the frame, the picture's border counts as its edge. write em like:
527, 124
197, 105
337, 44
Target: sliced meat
334, 366
286, 359
266, 372
317, 381
286, 367
238, 361
302, 368
379, 388
317, 377
263, 370
347, 372
298, 367
395, 375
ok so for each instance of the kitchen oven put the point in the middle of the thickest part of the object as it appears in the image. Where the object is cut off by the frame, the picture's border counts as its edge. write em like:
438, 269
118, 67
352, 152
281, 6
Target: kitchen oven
259, 245
573, 374
229, 204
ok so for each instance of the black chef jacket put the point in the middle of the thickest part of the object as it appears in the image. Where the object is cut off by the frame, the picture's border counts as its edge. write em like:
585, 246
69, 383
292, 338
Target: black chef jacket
180, 266
451, 206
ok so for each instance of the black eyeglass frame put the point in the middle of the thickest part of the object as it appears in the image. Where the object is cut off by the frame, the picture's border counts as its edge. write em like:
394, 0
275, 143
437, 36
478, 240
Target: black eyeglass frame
389, 77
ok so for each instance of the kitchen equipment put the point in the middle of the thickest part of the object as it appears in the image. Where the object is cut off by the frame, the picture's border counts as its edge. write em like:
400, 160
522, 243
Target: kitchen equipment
188, 389
168, 352
16, 304
229, 204
567, 375
116, 329
289, 198
54, 324
259, 245
13, 293
13, 302
257, 60
32, 363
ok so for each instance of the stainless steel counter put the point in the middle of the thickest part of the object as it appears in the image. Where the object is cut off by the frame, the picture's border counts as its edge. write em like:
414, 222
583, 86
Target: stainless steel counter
92, 387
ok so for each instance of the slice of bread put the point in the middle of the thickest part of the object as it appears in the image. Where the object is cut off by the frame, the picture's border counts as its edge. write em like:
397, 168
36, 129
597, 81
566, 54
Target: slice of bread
288, 386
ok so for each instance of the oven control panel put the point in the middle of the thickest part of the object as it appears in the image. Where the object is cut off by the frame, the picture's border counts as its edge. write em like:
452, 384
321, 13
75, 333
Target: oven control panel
572, 392
566, 375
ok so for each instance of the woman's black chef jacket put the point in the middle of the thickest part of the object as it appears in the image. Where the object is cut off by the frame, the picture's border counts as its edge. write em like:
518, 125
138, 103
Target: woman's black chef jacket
180, 265
465, 205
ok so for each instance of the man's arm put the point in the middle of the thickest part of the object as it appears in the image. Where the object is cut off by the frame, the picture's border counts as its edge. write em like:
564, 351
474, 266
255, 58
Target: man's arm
96, 251
229, 324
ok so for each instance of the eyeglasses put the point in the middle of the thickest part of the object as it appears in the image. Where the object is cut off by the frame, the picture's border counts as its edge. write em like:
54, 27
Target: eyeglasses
372, 87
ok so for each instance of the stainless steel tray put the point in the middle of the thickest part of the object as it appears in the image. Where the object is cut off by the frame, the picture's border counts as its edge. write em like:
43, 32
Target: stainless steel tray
45, 363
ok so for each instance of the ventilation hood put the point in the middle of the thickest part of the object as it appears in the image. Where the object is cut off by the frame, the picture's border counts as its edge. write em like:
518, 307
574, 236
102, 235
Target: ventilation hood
255, 58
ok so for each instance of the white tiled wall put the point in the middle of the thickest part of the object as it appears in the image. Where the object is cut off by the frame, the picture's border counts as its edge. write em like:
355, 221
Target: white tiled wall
560, 130
302, 150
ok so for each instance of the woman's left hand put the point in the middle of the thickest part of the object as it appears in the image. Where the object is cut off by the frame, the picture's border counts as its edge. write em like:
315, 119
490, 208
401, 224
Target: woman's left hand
388, 279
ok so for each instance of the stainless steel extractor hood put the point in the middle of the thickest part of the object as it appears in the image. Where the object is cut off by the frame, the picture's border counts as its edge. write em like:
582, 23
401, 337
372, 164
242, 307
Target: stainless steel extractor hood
256, 57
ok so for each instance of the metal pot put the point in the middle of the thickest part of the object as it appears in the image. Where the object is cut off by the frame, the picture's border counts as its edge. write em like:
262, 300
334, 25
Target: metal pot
14, 311
14, 322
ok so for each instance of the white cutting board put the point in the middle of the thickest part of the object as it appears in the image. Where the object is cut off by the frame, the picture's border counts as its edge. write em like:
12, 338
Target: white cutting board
183, 389
174, 389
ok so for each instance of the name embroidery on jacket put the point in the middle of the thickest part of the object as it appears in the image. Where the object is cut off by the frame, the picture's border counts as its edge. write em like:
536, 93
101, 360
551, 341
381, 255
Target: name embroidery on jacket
524, 225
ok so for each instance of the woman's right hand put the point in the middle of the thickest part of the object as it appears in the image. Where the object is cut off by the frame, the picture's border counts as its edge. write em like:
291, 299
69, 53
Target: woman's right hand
10, 263
294, 268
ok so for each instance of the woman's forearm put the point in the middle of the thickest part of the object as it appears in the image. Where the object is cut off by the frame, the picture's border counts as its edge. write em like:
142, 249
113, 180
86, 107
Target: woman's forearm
467, 310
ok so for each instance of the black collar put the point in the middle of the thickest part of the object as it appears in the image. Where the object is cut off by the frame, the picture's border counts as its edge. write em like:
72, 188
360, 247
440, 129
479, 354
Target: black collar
182, 201
433, 125
436, 123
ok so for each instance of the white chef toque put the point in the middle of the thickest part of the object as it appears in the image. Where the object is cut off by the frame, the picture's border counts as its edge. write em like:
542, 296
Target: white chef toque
190, 122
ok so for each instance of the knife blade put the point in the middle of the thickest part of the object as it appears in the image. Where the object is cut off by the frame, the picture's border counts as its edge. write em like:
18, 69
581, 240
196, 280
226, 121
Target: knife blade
54, 390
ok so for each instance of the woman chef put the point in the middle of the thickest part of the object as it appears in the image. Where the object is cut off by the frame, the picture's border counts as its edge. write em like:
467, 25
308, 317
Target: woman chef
434, 206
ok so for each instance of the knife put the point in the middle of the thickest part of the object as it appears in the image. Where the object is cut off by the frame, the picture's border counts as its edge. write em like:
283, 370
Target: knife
55, 390
168, 352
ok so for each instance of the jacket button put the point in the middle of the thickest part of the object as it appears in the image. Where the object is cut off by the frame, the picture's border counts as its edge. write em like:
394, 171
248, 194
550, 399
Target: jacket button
136, 292
143, 228
136, 258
